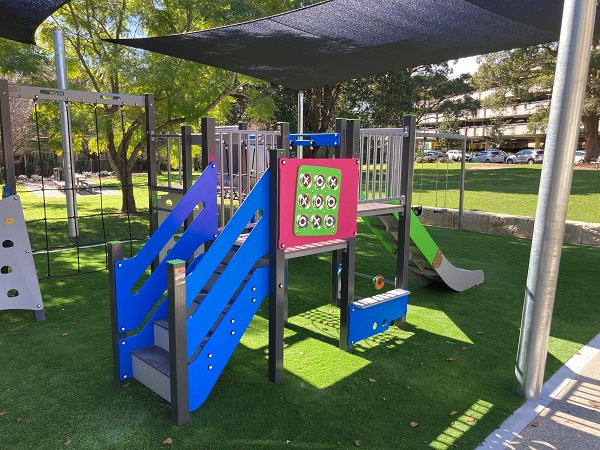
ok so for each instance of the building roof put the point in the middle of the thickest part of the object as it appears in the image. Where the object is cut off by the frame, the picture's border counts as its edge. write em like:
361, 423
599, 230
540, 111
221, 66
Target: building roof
338, 40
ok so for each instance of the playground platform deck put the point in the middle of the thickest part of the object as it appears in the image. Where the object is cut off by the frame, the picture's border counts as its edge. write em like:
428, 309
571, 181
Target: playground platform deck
566, 417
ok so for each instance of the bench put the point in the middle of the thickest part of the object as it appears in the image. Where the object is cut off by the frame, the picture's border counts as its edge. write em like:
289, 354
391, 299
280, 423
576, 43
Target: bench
88, 186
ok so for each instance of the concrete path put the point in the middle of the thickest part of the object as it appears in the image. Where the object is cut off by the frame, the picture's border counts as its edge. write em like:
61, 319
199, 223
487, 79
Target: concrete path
566, 417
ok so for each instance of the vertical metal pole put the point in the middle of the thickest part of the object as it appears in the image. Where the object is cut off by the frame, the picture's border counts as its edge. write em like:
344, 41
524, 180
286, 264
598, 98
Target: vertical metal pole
65, 126
151, 146
7, 138
178, 362
115, 253
209, 145
347, 297
461, 198
341, 128
557, 171
352, 149
186, 162
300, 120
276, 276
406, 182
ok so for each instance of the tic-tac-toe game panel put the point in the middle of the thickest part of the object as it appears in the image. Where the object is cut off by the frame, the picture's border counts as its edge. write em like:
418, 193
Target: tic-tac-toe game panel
317, 200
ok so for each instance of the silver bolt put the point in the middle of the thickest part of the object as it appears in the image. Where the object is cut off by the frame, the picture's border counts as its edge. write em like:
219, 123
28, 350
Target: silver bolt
122, 328
215, 236
119, 265
122, 342
283, 162
282, 245
232, 320
253, 288
232, 332
39, 306
253, 300
209, 355
209, 367
125, 376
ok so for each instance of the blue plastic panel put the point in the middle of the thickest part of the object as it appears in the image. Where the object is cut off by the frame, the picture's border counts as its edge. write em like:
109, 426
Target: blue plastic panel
132, 308
255, 247
321, 139
369, 320
204, 371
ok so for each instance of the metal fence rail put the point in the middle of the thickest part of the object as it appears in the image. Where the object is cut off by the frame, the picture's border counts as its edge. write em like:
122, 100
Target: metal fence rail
380, 155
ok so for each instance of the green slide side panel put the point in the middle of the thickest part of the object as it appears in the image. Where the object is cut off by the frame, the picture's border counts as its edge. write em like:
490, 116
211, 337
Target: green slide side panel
421, 238
368, 221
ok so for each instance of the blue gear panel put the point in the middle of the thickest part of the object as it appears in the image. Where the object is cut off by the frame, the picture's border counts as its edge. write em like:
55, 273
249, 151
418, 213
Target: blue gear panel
372, 315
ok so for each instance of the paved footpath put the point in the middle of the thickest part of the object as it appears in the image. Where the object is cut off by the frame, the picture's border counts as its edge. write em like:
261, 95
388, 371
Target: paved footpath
567, 416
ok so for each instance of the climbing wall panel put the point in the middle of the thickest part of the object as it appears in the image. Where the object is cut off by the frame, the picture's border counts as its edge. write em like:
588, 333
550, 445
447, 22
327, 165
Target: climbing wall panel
19, 287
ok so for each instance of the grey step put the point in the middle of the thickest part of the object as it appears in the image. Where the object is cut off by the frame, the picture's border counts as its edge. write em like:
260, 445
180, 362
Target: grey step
161, 326
151, 368
380, 298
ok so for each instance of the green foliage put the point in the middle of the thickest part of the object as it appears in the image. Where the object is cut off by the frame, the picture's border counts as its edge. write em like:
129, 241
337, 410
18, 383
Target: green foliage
527, 74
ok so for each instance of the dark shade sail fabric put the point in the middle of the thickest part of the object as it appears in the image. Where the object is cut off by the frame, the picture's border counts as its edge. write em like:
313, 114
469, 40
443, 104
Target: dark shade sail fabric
20, 18
339, 40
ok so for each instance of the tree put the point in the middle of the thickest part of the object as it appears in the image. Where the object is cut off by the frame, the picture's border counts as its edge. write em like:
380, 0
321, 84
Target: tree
527, 74
184, 91
382, 100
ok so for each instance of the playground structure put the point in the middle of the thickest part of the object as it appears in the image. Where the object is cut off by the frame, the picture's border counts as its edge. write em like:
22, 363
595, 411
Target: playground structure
219, 270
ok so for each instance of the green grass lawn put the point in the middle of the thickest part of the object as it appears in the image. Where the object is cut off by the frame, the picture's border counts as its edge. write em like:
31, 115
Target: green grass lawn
450, 371
506, 190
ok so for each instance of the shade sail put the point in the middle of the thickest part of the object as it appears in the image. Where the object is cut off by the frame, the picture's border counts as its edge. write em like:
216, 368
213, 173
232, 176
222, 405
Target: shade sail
338, 40
20, 18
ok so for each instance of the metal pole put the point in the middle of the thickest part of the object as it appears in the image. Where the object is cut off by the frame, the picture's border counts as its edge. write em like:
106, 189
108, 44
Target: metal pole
300, 120
555, 183
461, 198
65, 126
7, 140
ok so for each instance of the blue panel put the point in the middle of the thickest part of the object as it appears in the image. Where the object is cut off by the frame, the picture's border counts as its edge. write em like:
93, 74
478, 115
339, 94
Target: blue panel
204, 371
255, 247
366, 322
142, 339
132, 308
257, 200
320, 139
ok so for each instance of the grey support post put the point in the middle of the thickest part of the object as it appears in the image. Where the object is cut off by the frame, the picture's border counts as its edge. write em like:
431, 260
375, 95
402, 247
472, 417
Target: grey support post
151, 146
115, 253
209, 145
178, 363
406, 181
555, 184
7, 138
348, 269
276, 276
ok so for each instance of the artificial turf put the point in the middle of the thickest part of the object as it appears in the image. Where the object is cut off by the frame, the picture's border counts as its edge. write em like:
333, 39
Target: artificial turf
443, 382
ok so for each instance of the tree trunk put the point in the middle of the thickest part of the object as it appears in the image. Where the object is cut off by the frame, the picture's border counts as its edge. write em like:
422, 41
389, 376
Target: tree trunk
592, 146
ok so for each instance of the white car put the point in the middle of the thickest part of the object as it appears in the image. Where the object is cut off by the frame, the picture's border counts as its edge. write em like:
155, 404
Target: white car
454, 155
489, 156
579, 156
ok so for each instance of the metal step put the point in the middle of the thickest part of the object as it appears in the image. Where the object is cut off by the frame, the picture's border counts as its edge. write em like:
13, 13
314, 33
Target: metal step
151, 368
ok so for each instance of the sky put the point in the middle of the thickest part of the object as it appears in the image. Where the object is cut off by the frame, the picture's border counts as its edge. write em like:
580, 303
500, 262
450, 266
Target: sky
464, 65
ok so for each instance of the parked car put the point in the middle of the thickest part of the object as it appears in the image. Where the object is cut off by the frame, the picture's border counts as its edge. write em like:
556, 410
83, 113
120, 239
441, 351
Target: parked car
579, 156
434, 154
526, 156
454, 155
488, 156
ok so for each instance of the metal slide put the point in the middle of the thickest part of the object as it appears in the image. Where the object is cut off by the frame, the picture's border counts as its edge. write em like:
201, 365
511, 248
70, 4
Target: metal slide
427, 263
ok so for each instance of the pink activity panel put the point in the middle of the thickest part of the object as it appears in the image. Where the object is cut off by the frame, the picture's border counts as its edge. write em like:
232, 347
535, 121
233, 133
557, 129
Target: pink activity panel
317, 200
